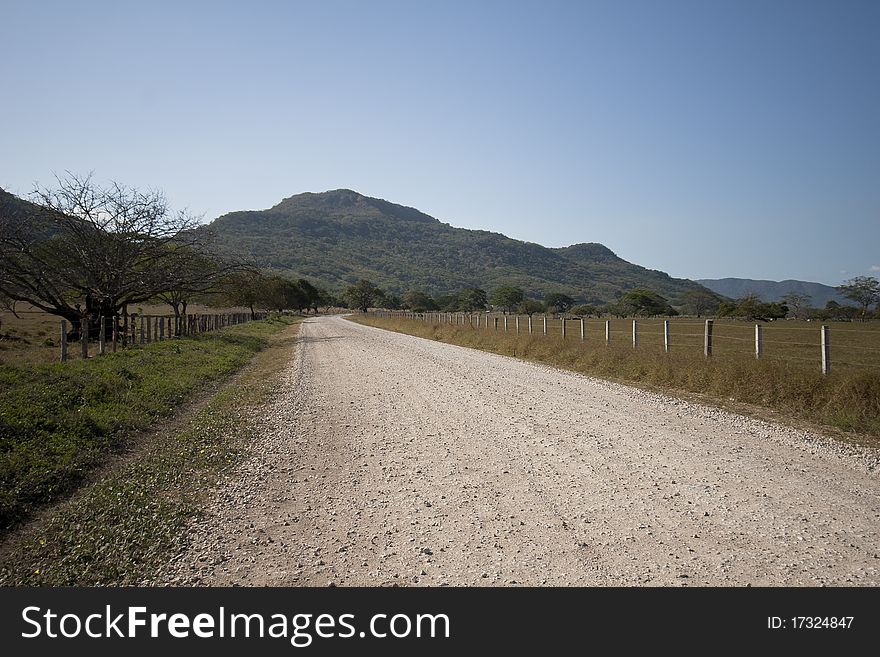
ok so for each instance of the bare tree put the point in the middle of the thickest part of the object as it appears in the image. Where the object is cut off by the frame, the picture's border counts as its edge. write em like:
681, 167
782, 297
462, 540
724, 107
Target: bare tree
796, 303
864, 290
83, 250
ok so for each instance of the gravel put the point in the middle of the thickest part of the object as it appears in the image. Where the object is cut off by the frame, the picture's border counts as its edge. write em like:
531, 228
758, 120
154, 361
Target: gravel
386, 459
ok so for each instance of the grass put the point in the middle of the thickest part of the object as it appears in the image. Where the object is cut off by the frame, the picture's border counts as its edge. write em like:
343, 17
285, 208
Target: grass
120, 529
59, 421
787, 381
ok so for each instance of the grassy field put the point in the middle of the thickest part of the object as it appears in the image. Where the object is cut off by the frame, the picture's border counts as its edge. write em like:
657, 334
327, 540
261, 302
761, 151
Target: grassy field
787, 380
58, 421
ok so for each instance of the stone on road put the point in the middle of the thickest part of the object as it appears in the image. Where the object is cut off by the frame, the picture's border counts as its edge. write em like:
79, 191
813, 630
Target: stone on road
393, 460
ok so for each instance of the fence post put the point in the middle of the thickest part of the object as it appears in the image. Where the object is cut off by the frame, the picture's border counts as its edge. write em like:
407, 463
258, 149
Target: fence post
516, 321
583, 330
63, 341
826, 351
161, 328
530, 324
102, 337
545, 324
563, 327
607, 331
759, 341
666, 335
635, 334
505, 323
84, 336
707, 339
143, 336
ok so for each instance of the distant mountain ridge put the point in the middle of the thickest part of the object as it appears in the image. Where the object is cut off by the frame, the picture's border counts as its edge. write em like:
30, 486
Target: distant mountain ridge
736, 288
336, 237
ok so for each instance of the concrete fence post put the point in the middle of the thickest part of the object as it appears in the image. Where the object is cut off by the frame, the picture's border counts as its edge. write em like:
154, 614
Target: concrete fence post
707, 339
666, 335
607, 331
759, 341
583, 330
635, 334
826, 352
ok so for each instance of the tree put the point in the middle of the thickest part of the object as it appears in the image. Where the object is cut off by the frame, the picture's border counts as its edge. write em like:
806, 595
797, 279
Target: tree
472, 299
418, 301
797, 303
362, 294
310, 294
507, 297
645, 302
864, 290
559, 302
530, 307
83, 250
750, 307
585, 310
244, 288
699, 302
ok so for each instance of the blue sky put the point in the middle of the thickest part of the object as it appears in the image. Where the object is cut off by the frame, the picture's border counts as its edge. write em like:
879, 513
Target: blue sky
702, 138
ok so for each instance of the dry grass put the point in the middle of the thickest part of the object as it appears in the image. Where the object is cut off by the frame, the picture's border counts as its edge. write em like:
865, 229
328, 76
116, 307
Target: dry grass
788, 380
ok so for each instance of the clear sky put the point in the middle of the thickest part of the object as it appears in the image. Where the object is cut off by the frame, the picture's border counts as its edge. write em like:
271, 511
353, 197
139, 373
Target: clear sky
700, 137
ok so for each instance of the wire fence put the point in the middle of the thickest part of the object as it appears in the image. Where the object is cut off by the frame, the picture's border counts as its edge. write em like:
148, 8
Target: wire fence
785, 340
113, 333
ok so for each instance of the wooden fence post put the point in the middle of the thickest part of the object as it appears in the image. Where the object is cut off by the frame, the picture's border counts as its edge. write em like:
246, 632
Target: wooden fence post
583, 330
545, 324
63, 341
563, 327
505, 323
826, 352
530, 324
102, 337
707, 339
607, 331
84, 336
666, 335
759, 341
635, 334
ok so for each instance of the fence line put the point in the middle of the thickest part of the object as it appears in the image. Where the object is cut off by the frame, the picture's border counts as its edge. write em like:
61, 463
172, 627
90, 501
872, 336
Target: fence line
139, 329
713, 335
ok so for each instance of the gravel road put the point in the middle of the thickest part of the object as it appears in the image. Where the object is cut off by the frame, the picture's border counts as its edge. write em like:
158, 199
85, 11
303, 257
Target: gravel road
387, 459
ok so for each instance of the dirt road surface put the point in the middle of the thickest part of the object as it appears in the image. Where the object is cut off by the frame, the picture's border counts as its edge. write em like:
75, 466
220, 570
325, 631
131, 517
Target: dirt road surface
392, 460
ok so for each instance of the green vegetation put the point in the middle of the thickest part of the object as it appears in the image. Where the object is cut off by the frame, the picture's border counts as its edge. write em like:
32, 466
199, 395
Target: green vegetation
59, 421
122, 528
787, 381
339, 237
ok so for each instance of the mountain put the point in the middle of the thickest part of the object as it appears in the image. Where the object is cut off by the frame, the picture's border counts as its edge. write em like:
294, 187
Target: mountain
737, 288
339, 236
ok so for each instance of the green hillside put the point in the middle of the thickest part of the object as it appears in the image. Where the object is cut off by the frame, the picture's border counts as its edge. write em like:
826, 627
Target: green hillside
340, 236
